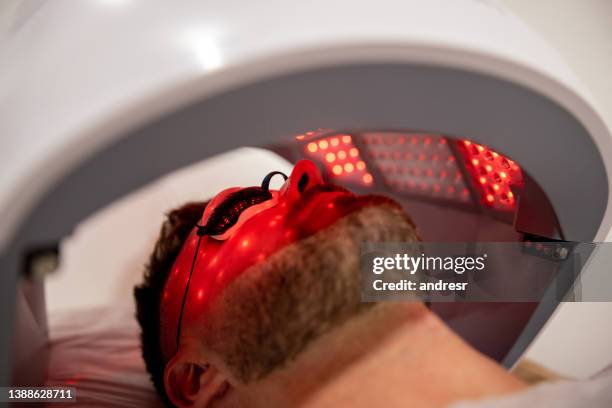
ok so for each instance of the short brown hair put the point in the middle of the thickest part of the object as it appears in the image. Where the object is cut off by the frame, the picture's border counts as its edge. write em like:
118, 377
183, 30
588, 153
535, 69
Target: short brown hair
174, 231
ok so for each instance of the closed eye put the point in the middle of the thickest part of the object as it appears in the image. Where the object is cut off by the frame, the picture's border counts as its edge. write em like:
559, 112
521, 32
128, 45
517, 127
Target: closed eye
226, 214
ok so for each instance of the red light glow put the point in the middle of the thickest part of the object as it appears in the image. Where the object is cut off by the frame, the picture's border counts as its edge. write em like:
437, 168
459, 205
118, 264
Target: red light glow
416, 164
341, 158
421, 164
492, 174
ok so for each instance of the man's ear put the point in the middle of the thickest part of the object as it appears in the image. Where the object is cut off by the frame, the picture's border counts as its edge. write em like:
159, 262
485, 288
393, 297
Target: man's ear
192, 383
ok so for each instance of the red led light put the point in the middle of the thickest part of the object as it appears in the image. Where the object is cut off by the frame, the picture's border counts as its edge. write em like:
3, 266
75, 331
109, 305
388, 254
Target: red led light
420, 164
494, 178
341, 157
415, 164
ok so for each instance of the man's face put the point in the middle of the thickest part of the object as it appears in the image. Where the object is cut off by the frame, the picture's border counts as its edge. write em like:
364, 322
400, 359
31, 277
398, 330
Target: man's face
284, 273
303, 206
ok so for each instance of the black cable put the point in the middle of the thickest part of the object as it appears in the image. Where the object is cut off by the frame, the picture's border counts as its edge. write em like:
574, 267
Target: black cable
201, 232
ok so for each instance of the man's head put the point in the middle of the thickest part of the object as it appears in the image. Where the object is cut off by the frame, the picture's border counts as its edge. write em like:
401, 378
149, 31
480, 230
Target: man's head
263, 276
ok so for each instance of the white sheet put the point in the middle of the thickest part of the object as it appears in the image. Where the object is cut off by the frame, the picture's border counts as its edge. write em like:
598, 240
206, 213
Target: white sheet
592, 393
97, 351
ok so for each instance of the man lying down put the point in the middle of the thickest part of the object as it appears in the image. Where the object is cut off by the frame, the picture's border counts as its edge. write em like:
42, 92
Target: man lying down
253, 300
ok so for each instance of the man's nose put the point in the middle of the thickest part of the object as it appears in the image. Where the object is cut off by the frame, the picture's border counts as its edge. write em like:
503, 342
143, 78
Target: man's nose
305, 175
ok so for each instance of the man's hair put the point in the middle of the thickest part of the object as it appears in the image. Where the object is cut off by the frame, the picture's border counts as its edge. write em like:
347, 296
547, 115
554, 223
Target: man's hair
270, 313
174, 231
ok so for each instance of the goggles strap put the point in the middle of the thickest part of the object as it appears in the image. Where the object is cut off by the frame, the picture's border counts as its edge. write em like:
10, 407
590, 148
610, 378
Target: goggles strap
201, 232
265, 184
